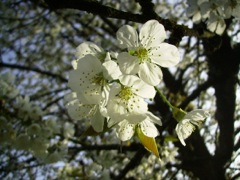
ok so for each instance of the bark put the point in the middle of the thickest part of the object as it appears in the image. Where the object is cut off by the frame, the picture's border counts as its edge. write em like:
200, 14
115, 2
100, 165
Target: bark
223, 69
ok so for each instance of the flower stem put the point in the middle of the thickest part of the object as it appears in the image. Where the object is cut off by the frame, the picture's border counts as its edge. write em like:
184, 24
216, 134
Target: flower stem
164, 98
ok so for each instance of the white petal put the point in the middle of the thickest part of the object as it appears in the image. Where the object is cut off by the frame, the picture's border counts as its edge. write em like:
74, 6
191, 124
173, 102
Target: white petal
150, 73
143, 89
184, 129
117, 110
88, 48
97, 121
148, 129
81, 78
136, 117
152, 34
138, 86
128, 80
151, 117
125, 130
179, 133
127, 37
197, 17
74, 64
165, 55
111, 70
197, 116
128, 64
220, 26
90, 95
78, 111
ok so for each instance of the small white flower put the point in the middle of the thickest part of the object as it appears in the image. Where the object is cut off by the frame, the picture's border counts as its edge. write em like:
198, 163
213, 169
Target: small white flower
68, 130
189, 123
126, 101
216, 24
146, 53
27, 110
8, 88
91, 77
126, 129
87, 80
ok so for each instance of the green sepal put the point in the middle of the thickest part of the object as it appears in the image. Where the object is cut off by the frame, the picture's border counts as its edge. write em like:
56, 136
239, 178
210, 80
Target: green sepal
178, 114
148, 142
170, 139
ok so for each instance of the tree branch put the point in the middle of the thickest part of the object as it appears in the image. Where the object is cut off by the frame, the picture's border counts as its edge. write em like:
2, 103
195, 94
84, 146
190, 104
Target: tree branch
15, 66
97, 8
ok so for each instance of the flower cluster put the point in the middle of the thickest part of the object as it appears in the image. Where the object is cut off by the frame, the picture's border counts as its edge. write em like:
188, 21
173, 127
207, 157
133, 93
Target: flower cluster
7, 89
111, 88
27, 130
213, 12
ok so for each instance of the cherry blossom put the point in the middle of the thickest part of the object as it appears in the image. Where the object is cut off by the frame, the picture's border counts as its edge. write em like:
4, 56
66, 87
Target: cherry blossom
189, 123
146, 51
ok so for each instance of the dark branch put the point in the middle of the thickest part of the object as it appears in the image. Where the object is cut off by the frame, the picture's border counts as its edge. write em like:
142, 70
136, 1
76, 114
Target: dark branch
108, 12
47, 73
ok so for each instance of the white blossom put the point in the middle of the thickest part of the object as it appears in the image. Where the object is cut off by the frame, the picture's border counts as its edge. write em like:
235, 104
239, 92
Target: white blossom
126, 129
189, 123
126, 100
216, 24
7, 87
27, 110
90, 79
146, 53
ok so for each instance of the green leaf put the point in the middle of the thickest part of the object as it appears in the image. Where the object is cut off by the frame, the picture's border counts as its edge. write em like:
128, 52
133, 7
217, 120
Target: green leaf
148, 142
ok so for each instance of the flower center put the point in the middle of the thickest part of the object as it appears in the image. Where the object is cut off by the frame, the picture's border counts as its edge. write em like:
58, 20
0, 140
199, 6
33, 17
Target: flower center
126, 93
141, 53
99, 79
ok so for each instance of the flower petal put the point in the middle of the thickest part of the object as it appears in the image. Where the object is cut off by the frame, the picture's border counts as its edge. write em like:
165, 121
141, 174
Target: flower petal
88, 48
165, 55
184, 129
180, 134
151, 117
144, 90
81, 77
152, 34
125, 130
148, 129
150, 73
97, 121
128, 64
138, 86
129, 80
127, 37
111, 70
78, 111
91, 95
197, 116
